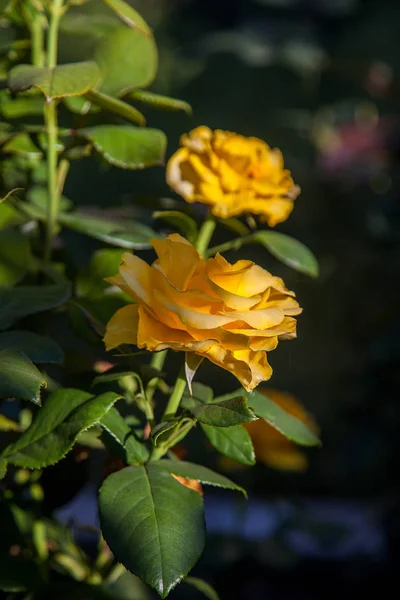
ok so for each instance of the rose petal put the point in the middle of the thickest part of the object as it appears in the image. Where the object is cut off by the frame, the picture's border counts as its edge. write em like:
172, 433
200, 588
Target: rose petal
122, 327
174, 251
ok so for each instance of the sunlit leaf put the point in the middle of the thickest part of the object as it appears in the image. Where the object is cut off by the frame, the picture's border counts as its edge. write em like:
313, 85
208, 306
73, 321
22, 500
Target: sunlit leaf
64, 80
126, 234
128, 15
127, 59
126, 146
288, 250
16, 108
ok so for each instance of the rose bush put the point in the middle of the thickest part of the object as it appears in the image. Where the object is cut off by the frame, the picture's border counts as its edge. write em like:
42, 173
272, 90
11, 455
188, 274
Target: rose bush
232, 314
232, 174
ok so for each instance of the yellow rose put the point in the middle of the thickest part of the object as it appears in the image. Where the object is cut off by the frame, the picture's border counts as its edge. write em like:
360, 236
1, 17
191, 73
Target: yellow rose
230, 314
233, 174
270, 446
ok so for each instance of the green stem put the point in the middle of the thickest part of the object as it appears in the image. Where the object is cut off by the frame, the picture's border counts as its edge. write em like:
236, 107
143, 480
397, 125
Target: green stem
149, 412
50, 111
37, 33
157, 362
205, 234
176, 396
56, 11
232, 245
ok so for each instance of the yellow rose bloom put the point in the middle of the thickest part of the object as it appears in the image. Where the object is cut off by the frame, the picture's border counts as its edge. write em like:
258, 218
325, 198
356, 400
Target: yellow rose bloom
232, 314
233, 174
270, 446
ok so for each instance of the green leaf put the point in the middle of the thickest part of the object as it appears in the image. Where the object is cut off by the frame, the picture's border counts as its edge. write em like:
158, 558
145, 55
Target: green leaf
37, 348
114, 374
103, 263
15, 256
127, 60
19, 378
161, 429
74, 79
3, 471
22, 145
160, 102
9, 216
129, 15
287, 424
126, 146
203, 587
135, 451
153, 524
178, 220
289, 251
65, 414
126, 234
22, 301
117, 107
201, 394
170, 433
224, 414
234, 442
16, 108
198, 473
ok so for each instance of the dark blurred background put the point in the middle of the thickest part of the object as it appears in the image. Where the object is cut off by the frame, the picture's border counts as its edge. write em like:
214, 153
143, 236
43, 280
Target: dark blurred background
320, 79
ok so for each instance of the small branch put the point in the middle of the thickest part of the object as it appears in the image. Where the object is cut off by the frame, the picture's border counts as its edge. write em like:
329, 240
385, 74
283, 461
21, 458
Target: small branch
232, 245
62, 175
